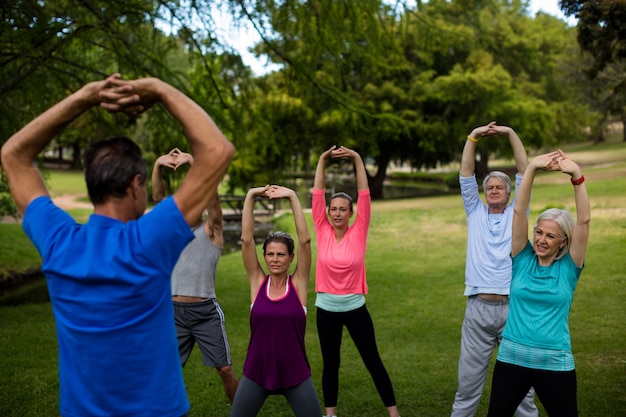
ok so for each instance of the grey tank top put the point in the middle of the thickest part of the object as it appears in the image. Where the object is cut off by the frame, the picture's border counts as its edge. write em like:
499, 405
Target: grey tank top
194, 272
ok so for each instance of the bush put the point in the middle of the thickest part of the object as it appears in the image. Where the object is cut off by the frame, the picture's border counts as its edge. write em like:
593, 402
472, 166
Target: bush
7, 205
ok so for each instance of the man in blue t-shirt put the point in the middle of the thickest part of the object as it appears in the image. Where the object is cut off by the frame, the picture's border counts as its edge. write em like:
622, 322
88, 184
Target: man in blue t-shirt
487, 269
109, 278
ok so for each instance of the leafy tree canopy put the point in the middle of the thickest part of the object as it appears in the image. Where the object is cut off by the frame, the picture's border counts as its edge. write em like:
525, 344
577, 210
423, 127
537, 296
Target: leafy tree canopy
601, 29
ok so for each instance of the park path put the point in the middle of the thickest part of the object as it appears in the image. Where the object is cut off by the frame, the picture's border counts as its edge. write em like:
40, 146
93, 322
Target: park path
70, 201
64, 201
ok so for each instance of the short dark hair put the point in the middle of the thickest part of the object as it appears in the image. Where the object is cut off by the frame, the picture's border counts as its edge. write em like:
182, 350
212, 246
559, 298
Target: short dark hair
110, 166
280, 237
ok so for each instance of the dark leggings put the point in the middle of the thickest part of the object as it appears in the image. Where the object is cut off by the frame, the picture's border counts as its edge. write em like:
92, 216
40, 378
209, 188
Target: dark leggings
555, 389
361, 329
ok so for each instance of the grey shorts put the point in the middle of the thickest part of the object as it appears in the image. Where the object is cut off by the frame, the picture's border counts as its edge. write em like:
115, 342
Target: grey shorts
202, 323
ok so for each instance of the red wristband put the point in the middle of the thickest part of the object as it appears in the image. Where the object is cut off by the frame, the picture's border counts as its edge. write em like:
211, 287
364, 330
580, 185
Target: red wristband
578, 181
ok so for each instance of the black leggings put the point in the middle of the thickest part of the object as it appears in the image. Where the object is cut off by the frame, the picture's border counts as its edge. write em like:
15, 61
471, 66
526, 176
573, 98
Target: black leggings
361, 329
555, 389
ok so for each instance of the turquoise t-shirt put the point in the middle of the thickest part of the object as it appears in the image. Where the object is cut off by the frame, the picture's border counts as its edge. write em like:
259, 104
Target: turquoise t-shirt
540, 301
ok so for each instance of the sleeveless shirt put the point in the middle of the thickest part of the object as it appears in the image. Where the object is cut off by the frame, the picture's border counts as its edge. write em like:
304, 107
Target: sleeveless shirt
276, 353
194, 273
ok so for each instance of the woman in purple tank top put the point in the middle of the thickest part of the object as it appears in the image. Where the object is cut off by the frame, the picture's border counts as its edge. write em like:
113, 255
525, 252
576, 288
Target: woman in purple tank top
276, 363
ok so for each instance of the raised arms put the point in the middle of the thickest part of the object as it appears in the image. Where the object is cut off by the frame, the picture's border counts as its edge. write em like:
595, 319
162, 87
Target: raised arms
212, 152
302, 272
175, 158
21, 150
248, 246
468, 158
254, 270
340, 152
580, 235
553, 161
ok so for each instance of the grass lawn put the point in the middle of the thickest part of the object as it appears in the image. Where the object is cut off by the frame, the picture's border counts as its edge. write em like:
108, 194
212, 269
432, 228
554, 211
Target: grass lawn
415, 264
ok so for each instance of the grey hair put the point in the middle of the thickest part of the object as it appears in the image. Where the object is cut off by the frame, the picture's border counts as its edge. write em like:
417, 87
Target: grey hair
501, 176
566, 223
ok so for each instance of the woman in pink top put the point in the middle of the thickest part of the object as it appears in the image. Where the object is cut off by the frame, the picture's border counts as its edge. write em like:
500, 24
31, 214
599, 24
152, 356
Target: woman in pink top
341, 282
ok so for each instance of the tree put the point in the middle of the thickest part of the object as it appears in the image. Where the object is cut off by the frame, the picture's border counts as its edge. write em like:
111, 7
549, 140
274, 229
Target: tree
405, 85
602, 33
601, 29
50, 49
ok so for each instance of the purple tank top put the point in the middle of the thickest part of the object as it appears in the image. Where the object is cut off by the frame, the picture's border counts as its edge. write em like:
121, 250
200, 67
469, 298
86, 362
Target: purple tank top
276, 353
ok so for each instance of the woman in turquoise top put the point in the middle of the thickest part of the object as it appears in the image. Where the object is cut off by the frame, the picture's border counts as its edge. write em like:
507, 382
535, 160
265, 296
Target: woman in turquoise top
536, 349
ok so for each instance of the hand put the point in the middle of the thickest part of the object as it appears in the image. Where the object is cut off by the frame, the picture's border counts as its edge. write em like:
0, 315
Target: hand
182, 158
491, 129
114, 94
568, 166
174, 159
327, 153
278, 191
258, 191
342, 152
129, 96
548, 161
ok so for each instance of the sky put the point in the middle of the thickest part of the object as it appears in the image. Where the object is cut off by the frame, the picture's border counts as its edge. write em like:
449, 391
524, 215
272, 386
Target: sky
246, 37
550, 7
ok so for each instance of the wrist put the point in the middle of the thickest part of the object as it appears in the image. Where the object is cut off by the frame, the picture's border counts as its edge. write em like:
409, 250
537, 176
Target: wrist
578, 180
472, 138
85, 98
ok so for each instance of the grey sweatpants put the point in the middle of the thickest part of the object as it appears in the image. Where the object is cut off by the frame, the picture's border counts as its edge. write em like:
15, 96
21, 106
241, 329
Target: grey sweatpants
481, 332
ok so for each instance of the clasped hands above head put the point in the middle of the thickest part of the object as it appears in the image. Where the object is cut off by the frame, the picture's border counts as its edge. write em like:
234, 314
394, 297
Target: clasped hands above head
175, 158
556, 161
132, 97
272, 191
340, 152
491, 129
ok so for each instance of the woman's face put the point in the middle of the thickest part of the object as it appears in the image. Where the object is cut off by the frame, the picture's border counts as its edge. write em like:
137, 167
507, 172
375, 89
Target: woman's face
277, 258
547, 241
339, 212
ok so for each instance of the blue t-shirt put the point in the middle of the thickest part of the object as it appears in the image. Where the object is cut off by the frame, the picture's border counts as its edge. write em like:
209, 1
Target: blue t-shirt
540, 302
109, 283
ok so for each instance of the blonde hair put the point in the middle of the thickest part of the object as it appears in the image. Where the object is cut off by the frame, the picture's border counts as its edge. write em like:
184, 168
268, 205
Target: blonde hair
566, 223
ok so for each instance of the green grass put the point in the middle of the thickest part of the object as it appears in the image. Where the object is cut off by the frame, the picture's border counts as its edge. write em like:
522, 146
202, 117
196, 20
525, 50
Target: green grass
65, 182
16, 251
415, 264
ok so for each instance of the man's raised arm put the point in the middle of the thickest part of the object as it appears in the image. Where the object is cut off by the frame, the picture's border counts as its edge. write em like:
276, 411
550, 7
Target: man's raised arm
212, 152
21, 150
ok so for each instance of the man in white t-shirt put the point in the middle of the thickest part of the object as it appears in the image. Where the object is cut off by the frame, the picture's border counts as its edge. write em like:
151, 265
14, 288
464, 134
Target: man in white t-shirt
487, 269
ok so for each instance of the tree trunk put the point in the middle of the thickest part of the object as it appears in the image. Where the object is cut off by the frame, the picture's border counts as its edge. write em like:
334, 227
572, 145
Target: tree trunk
376, 182
482, 164
77, 162
601, 136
